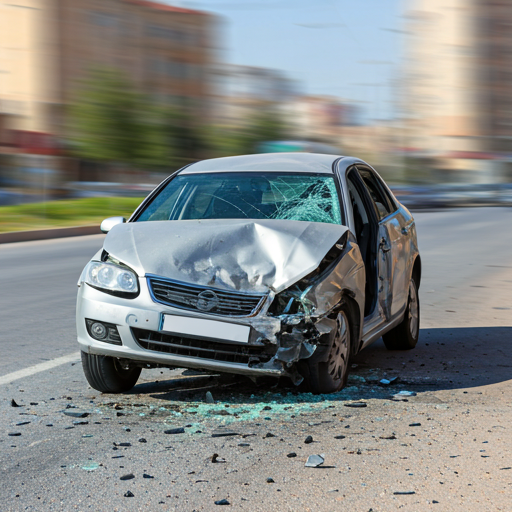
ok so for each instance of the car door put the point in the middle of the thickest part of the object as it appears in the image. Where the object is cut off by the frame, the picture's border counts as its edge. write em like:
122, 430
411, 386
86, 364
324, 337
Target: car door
373, 244
393, 244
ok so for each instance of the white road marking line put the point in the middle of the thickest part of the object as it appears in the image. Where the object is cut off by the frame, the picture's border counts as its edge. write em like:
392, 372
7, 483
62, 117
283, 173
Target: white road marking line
41, 367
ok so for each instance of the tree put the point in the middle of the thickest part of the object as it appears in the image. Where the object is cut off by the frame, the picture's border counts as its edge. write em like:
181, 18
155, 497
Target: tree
111, 123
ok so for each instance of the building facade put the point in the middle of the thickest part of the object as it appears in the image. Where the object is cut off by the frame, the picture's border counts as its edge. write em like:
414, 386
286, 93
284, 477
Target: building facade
458, 78
48, 47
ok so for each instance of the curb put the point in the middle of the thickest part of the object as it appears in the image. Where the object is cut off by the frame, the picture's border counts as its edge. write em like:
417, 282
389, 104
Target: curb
45, 234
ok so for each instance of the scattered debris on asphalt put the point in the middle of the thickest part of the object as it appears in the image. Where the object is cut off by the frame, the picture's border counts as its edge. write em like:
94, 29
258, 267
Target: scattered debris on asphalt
179, 430
315, 461
216, 459
355, 404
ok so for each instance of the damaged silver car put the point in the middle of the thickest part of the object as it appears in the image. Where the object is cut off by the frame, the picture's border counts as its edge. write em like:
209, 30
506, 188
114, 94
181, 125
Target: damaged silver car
276, 264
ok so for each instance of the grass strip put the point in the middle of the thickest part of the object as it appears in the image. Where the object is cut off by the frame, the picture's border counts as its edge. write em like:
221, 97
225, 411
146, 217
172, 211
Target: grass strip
65, 213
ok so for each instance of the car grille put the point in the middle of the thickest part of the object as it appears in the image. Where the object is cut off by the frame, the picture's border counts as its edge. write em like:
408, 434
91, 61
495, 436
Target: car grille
204, 299
202, 349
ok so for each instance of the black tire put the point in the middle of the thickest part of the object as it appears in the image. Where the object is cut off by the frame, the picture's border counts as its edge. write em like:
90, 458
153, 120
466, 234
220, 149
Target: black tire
331, 375
405, 335
105, 374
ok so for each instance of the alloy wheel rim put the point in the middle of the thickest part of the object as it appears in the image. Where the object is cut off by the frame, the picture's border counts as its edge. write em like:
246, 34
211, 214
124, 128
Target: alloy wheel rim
338, 357
413, 310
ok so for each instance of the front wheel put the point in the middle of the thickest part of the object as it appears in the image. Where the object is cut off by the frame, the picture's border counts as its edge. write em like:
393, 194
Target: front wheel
405, 335
106, 374
331, 375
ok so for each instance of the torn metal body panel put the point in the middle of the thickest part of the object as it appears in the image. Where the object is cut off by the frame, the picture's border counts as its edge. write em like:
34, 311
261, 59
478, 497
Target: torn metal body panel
250, 265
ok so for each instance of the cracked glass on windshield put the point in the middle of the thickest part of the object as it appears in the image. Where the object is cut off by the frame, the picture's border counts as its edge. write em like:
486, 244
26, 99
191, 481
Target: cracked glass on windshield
254, 195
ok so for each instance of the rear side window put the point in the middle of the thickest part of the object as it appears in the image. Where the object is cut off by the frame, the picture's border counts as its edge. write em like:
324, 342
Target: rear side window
248, 195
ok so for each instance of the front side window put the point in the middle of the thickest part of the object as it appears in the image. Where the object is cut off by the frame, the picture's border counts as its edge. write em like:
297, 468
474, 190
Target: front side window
377, 193
248, 195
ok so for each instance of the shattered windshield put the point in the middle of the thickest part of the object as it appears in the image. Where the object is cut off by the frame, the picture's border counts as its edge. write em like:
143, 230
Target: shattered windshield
247, 195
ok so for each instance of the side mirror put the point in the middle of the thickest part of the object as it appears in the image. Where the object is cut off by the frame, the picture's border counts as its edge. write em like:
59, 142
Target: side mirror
109, 223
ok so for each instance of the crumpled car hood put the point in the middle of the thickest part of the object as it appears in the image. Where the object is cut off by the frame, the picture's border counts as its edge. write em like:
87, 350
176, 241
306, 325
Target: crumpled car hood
244, 255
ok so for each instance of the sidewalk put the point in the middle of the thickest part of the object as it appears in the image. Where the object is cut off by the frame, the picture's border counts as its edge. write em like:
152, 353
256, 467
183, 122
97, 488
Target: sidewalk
44, 234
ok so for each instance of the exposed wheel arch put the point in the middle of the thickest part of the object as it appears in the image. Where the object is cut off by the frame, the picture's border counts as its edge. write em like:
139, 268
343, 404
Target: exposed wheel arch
416, 271
356, 322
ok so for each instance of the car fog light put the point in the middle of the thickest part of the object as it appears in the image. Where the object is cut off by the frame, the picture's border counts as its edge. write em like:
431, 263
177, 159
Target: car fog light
103, 331
98, 330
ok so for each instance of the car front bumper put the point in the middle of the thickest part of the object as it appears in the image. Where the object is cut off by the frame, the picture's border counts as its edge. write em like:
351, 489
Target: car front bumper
139, 322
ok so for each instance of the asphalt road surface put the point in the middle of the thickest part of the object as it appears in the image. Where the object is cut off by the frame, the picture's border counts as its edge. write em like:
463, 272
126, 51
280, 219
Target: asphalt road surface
446, 447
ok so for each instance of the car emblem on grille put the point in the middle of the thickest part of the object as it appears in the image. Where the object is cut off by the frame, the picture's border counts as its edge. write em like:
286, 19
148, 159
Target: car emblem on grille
207, 300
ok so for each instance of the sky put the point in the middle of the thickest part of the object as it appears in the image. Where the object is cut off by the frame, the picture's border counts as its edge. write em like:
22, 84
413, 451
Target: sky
351, 49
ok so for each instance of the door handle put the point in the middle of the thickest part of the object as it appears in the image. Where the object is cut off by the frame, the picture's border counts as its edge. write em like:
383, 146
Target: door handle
384, 245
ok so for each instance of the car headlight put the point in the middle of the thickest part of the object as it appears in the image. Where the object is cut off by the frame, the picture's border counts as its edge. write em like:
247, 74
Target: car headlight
111, 278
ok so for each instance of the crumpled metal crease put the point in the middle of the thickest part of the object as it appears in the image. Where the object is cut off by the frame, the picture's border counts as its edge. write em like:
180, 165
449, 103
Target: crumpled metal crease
230, 254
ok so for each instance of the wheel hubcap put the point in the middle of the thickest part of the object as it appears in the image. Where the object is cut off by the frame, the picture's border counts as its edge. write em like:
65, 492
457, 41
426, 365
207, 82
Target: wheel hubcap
338, 357
414, 312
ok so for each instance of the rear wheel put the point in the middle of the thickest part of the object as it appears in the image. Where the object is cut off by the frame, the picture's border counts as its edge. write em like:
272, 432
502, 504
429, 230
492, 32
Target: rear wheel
405, 335
106, 374
331, 375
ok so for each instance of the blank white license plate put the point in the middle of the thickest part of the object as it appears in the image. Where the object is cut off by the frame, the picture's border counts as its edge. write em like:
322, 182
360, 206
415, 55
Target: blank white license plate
206, 328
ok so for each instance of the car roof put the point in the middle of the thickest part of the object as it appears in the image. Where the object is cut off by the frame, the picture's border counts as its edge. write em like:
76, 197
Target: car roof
284, 162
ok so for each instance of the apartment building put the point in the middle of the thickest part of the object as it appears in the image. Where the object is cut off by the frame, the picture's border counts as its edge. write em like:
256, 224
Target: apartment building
48, 47
458, 77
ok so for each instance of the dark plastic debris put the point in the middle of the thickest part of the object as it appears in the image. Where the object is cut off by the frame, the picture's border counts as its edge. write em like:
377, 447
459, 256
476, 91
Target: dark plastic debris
179, 430
270, 480
22, 423
291, 455
269, 434
14, 434
142, 440
414, 424
404, 493
340, 437
13, 403
308, 440
355, 404
129, 494
224, 432
145, 475
75, 414
129, 476
222, 502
